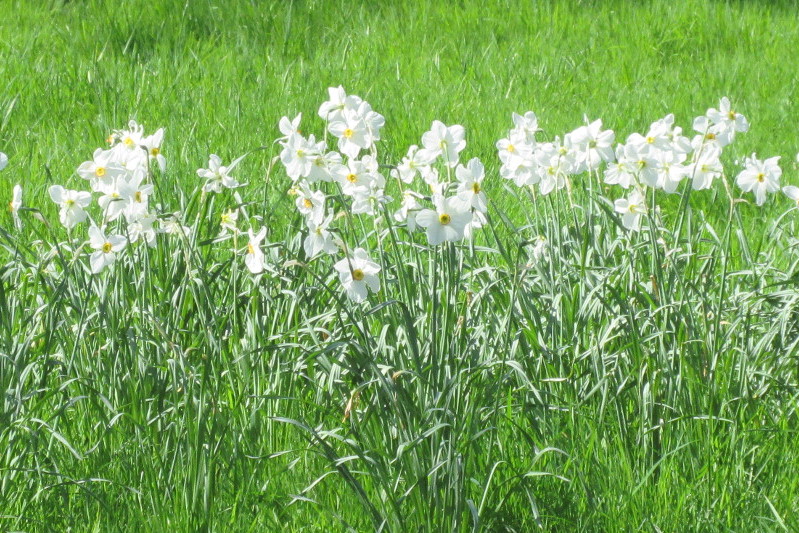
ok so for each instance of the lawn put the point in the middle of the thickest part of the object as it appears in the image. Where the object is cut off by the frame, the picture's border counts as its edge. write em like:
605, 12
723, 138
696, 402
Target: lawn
559, 371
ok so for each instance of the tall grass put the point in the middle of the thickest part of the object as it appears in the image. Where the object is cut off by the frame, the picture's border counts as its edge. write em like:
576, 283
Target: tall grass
622, 381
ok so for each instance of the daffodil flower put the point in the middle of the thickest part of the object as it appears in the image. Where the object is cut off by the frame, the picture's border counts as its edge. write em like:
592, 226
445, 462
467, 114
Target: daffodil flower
446, 222
760, 177
72, 204
254, 257
106, 248
357, 273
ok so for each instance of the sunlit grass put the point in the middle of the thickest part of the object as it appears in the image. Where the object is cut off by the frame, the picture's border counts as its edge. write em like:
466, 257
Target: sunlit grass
625, 381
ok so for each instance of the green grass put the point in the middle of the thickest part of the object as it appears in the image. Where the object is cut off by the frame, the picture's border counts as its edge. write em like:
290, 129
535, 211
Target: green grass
622, 384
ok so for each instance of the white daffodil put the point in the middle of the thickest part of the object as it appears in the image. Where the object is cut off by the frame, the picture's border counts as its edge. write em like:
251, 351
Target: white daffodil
760, 177
339, 101
3, 160
631, 210
289, 127
298, 155
551, 167
727, 119
358, 272
106, 248
527, 125
354, 177
706, 167
623, 171
470, 192
352, 133
324, 165
173, 225
103, 169
414, 162
310, 203
72, 204
406, 214
592, 145
131, 138
217, 175
319, 239
141, 228
374, 121
153, 145
445, 141
446, 222
670, 170
515, 151
227, 222
254, 257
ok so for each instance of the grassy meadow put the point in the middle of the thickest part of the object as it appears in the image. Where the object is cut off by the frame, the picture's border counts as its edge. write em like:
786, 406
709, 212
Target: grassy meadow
620, 381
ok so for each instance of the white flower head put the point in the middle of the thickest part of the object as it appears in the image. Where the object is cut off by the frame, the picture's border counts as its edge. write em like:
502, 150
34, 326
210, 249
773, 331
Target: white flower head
319, 239
727, 119
445, 141
153, 145
254, 257
470, 190
631, 210
227, 222
72, 204
290, 127
446, 222
760, 177
105, 248
217, 175
357, 273
352, 133
3, 160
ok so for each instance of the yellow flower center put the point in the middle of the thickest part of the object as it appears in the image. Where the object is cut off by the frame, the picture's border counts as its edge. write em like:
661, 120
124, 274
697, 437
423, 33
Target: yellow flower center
511, 148
632, 208
710, 136
300, 153
250, 248
444, 219
352, 178
107, 248
129, 142
137, 196
307, 203
155, 151
761, 177
476, 188
348, 133
99, 172
731, 115
592, 144
357, 274
69, 203
642, 164
650, 140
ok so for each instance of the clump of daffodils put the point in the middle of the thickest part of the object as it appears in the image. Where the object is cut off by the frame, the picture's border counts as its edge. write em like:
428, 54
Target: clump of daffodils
438, 192
116, 206
660, 159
